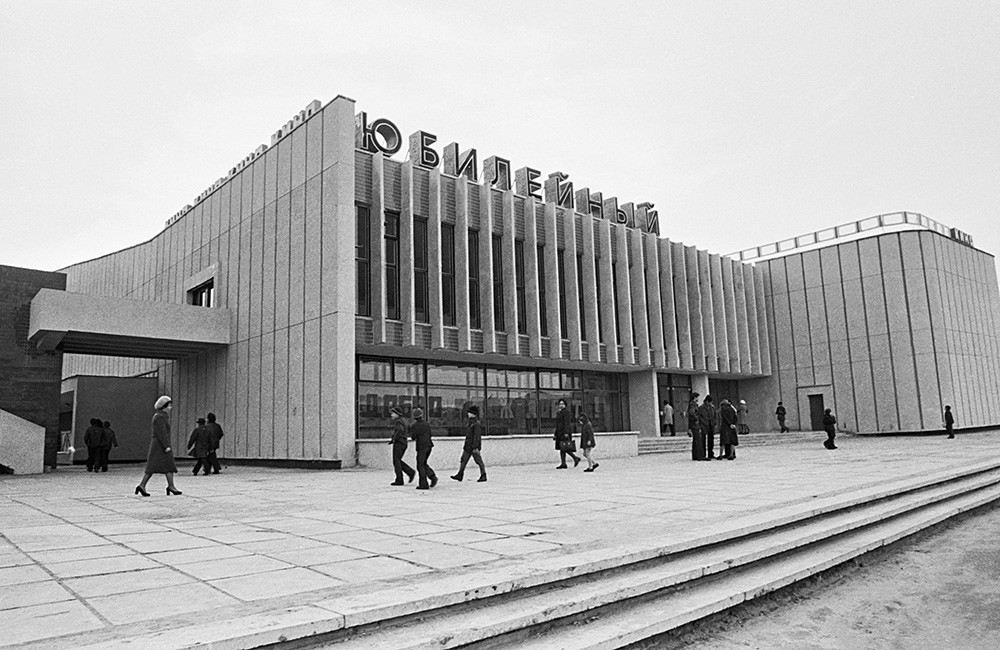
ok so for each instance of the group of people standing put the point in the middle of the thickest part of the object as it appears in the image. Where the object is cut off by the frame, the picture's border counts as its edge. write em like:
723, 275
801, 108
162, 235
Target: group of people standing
99, 439
705, 421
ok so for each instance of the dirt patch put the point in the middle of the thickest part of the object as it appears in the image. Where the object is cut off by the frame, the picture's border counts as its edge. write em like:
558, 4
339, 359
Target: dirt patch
937, 589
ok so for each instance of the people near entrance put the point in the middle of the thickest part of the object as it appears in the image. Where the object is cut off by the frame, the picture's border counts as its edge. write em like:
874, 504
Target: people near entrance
667, 419
160, 459
199, 444
473, 445
780, 413
728, 422
215, 437
949, 421
564, 436
708, 421
421, 433
400, 435
694, 429
741, 418
587, 441
830, 426
110, 440
93, 438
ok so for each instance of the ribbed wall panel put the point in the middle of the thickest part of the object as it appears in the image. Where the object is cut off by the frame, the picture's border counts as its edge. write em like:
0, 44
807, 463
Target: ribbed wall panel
393, 184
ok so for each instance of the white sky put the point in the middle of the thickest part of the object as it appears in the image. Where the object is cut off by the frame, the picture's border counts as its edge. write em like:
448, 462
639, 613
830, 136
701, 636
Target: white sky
743, 122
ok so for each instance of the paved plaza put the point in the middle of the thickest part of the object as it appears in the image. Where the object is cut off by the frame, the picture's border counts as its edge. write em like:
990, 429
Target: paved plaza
83, 561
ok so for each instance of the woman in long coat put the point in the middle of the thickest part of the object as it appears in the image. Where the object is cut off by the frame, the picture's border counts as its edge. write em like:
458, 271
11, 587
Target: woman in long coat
564, 435
741, 418
587, 441
728, 438
160, 459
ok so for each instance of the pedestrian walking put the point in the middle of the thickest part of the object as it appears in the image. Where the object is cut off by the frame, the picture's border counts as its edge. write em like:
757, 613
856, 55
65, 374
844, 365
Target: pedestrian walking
93, 439
708, 421
694, 429
830, 426
667, 418
564, 435
110, 440
198, 446
160, 459
781, 413
421, 432
400, 434
949, 421
215, 437
587, 441
728, 432
473, 445
741, 418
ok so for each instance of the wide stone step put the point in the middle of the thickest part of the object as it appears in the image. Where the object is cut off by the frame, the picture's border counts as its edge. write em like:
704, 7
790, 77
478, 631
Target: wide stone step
682, 442
593, 587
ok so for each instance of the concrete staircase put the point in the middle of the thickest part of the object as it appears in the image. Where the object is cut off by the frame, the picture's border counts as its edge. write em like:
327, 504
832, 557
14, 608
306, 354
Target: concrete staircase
681, 443
610, 597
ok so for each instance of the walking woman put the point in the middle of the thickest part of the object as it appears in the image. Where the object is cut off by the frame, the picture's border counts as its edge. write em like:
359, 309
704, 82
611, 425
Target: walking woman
564, 436
587, 441
160, 459
830, 426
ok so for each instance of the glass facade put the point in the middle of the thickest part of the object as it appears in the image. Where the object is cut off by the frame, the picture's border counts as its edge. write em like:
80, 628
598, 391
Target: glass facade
512, 400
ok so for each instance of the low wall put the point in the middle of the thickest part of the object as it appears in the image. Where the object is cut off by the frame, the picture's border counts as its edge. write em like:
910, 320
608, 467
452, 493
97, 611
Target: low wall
22, 444
498, 450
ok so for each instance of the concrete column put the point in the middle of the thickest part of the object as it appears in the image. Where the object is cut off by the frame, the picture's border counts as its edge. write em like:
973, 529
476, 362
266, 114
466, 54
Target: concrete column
642, 400
750, 286
377, 231
694, 299
509, 274
572, 297
742, 318
676, 319
729, 300
551, 279
531, 291
637, 285
762, 335
591, 322
709, 317
406, 307
623, 291
607, 302
434, 288
699, 384
486, 268
462, 305
652, 253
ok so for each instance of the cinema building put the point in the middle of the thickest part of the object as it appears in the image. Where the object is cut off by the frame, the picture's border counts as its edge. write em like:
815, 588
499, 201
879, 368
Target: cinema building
324, 280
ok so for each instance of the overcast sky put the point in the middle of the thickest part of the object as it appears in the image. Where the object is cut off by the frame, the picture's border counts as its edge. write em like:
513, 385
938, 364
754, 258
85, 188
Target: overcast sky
743, 122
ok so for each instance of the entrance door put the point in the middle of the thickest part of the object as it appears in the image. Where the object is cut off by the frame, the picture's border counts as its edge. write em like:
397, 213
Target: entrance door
816, 412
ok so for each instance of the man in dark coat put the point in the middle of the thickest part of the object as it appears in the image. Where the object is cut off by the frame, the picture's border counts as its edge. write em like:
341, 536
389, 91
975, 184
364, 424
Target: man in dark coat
830, 426
707, 419
400, 432
110, 440
215, 436
93, 438
473, 443
727, 431
421, 433
564, 435
949, 421
199, 444
780, 413
694, 429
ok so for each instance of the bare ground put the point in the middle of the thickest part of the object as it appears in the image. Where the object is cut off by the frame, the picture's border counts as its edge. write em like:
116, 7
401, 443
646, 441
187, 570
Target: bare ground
939, 589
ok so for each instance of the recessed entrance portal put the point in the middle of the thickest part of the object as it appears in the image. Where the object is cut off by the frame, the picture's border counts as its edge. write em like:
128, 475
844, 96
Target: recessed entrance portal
816, 412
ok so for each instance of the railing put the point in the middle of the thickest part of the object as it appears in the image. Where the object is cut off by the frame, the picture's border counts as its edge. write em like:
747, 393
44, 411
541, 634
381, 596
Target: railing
893, 220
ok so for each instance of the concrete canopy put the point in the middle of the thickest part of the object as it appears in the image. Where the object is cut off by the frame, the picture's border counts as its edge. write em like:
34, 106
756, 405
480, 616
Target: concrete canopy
88, 324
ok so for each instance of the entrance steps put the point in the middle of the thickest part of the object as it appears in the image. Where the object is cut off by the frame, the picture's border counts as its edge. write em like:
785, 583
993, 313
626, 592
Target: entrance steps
682, 443
612, 597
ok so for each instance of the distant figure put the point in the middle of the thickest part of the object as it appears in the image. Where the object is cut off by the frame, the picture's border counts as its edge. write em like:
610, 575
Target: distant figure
780, 412
473, 445
421, 432
708, 419
110, 440
198, 445
830, 426
160, 459
667, 418
728, 438
694, 429
400, 434
93, 438
216, 434
741, 418
587, 441
564, 435
949, 421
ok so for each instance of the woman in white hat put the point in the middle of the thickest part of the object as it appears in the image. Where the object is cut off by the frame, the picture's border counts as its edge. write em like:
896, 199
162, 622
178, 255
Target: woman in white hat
160, 459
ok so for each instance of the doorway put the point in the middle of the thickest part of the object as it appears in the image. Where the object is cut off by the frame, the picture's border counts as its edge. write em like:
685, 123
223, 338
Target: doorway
816, 411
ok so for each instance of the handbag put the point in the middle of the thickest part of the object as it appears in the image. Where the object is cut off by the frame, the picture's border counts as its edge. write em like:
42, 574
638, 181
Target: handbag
567, 446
